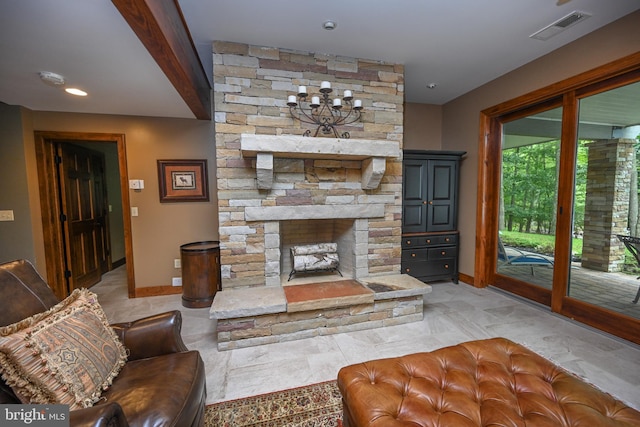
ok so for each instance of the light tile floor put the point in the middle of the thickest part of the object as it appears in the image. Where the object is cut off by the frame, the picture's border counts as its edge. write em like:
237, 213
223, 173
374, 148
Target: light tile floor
453, 314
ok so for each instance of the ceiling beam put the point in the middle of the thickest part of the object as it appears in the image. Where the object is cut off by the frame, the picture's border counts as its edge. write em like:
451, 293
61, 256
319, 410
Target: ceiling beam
161, 28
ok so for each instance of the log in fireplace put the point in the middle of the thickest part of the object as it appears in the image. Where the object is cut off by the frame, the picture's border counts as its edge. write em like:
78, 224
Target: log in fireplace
316, 258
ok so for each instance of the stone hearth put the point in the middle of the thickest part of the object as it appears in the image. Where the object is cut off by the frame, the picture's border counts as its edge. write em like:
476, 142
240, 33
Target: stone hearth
257, 316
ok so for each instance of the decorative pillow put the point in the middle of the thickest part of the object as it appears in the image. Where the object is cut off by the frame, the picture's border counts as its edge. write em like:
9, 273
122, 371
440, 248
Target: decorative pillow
67, 355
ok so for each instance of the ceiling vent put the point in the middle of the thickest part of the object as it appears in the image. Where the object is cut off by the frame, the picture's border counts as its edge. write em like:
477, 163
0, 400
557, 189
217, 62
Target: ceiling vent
560, 25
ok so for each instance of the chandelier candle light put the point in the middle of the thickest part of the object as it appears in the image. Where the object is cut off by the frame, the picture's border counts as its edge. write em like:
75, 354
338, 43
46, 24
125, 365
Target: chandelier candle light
324, 112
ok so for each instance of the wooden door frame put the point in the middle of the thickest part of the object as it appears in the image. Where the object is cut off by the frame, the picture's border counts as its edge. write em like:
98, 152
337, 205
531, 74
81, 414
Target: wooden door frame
613, 74
489, 144
49, 197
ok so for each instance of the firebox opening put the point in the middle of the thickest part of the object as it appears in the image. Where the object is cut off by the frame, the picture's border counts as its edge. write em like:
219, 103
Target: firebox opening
308, 232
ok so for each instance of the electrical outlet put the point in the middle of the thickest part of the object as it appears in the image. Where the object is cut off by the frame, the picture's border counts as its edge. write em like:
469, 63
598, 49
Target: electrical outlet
176, 281
176, 263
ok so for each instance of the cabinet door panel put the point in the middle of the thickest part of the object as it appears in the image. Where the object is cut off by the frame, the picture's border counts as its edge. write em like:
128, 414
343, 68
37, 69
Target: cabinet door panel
414, 188
440, 217
413, 218
414, 180
442, 177
441, 195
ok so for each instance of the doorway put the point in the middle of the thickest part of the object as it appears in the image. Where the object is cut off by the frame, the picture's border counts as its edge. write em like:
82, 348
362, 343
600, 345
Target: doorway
75, 210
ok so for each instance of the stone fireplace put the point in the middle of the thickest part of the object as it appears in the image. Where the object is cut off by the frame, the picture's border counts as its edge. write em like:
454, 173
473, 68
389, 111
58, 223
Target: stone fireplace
268, 173
317, 203
277, 188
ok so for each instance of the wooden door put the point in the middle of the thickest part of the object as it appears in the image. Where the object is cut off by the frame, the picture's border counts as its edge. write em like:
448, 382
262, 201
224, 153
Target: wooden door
84, 214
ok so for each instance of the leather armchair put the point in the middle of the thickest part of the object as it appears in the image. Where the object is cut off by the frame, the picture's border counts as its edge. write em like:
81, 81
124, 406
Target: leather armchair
162, 383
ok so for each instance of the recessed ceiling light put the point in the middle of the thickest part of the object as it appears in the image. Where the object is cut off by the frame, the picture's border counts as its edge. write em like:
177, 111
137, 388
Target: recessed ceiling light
75, 91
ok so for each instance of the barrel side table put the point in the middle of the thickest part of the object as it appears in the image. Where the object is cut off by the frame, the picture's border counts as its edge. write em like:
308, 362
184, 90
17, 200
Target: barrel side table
200, 273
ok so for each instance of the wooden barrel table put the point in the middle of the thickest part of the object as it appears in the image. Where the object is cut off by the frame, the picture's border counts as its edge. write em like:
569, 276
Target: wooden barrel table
200, 273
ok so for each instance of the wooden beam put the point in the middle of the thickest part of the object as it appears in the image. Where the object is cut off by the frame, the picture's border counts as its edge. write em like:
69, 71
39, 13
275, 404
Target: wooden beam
160, 26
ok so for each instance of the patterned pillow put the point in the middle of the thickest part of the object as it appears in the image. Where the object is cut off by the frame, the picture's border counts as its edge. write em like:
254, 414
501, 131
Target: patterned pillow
67, 355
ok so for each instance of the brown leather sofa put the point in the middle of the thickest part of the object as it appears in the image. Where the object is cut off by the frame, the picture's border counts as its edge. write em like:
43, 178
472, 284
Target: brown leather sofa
162, 382
492, 382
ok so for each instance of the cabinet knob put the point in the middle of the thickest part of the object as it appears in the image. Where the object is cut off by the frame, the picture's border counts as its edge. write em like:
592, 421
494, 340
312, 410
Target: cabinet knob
428, 240
424, 202
430, 202
407, 270
446, 266
443, 253
408, 242
446, 239
413, 255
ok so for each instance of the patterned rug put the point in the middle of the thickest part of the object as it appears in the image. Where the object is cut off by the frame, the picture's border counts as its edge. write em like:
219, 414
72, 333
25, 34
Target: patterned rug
316, 405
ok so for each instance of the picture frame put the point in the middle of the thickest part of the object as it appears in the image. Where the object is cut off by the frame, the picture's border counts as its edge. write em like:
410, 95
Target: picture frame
183, 181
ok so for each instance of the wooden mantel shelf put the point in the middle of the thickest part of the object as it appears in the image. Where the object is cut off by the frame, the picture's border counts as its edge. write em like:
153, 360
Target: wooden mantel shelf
373, 154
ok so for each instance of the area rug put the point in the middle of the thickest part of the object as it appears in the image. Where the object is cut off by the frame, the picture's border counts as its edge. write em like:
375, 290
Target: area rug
316, 405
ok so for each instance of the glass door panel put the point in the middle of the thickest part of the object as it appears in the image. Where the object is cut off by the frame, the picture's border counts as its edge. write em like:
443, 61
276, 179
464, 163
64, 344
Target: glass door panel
529, 193
605, 214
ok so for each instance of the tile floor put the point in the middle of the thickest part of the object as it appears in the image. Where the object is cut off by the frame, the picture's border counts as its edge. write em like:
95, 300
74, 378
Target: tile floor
453, 313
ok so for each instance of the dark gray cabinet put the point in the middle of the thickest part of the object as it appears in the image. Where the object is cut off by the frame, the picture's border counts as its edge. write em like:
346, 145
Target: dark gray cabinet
430, 239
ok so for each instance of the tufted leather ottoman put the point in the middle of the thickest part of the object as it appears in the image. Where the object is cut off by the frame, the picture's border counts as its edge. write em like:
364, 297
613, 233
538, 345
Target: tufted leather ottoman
492, 382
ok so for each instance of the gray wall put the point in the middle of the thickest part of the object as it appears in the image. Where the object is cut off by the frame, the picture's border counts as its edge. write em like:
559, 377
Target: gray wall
16, 237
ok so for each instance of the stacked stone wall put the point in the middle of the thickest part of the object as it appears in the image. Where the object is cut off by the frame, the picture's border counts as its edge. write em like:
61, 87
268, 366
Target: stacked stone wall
280, 327
607, 203
251, 85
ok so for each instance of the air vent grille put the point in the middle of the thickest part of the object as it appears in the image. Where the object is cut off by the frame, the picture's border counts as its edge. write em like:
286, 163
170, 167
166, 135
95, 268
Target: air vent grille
560, 25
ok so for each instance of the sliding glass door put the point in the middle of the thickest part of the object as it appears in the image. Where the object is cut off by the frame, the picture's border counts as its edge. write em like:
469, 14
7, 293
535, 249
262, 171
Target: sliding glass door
605, 202
529, 193
559, 203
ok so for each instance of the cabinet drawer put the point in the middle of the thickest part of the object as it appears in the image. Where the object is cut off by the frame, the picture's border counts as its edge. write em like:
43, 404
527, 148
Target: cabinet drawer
412, 242
444, 239
442, 252
443, 267
430, 268
440, 239
415, 269
415, 254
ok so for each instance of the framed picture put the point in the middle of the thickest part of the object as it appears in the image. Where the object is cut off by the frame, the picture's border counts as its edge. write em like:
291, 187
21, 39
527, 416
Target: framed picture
183, 181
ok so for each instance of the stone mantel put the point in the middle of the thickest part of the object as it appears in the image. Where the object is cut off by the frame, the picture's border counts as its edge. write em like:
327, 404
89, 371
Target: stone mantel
373, 154
280, 213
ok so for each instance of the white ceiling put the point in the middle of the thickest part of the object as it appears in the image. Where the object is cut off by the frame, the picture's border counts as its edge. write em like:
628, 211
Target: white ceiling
457, 44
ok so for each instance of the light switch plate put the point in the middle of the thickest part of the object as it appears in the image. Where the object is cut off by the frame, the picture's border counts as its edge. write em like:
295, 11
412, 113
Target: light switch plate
6, 215
136, 184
